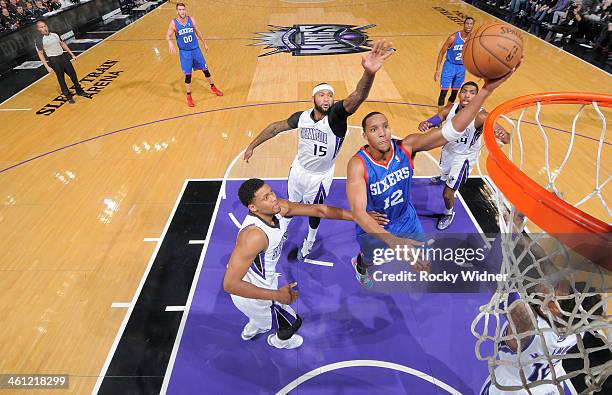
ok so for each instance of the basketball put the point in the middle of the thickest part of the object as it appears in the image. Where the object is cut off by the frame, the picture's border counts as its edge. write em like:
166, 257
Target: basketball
492, 50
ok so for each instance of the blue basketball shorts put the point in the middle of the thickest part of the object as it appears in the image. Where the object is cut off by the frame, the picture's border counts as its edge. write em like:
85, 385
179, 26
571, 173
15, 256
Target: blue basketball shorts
192, 60
452, 75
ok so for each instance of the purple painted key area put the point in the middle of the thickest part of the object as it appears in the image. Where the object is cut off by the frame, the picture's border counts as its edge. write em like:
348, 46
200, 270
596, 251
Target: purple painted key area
425, 332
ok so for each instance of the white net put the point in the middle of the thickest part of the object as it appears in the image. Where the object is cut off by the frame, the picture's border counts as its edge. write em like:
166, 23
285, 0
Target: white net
548, 321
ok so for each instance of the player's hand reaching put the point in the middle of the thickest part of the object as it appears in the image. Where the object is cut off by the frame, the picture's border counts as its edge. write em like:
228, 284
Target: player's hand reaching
380, 218
412, 251
286, 294
373, 60
425, 126
247, 154
490, 85
205, 47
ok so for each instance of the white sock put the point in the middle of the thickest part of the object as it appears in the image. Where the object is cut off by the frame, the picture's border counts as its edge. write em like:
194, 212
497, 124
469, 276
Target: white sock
312, 233
448, 211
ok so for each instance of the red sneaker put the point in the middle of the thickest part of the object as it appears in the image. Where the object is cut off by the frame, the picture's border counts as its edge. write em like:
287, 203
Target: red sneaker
190, 102
216, 91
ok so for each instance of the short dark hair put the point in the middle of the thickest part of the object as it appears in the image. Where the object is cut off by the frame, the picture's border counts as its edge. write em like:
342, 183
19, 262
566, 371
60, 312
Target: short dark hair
470, 83
247, 190
363, 121
180, 5
469, 18
41, 21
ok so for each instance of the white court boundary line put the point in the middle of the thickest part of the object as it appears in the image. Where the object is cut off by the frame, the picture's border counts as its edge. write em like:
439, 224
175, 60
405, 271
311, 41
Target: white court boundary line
194, 283
126, 318
92, 47
366, 363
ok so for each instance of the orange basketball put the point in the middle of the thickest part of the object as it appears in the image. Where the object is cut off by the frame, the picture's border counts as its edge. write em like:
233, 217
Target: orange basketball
492, 50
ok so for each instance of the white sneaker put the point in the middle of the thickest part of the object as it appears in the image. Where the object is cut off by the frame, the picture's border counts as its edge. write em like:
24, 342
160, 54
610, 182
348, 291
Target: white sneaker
250, 331
436, 180
293, 342
305, 250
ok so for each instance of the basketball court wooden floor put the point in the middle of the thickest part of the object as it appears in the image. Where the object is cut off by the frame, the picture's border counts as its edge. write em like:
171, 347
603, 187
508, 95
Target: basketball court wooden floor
110, 259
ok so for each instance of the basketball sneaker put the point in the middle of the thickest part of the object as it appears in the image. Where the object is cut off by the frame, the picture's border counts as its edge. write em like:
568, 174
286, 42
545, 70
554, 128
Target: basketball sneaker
250, 331
293, 342
305, 250
364, 279
445, 221
190, 102
216, 91
436, 180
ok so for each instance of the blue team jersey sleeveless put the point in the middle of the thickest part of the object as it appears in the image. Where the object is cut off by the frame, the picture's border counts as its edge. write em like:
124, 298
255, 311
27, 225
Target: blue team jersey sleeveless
389, 185
186, 38
454, 53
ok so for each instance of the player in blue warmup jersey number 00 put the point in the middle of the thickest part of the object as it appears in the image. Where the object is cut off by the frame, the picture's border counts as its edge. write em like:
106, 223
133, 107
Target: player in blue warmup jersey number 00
186, 33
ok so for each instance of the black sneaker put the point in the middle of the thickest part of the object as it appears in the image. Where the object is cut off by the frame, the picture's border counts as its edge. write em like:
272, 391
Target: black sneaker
70, 100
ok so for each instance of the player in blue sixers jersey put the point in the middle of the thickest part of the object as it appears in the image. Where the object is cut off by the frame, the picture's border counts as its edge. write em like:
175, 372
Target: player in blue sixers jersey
453, 71
186, 33
379, 178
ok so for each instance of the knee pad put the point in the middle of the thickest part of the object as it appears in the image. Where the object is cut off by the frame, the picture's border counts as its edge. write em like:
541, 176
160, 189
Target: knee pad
188, 78
285, 334
442, 97
206, 73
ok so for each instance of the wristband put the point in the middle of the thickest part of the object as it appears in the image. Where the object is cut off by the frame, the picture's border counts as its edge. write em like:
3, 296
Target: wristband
435, 120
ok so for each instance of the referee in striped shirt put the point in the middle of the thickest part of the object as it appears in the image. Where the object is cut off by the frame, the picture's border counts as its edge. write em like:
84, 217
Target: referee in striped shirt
53, 47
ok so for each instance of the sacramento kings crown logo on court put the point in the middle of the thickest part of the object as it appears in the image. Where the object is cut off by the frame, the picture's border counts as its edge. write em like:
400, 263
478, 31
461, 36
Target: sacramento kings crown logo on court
311, 40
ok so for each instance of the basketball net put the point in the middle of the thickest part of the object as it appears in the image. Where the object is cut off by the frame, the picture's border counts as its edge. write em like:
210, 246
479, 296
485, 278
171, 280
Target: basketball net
554, 255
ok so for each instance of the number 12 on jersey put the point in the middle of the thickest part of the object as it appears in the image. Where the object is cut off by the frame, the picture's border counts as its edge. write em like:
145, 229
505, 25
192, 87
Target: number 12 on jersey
394, 199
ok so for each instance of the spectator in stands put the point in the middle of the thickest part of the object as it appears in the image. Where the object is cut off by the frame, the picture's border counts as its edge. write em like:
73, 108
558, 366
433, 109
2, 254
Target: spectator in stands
559, 10
55, 5
20, 15
50, 45
41, 7
29, 11
12, 7
8, 22
38, 12
567, 24
540, 14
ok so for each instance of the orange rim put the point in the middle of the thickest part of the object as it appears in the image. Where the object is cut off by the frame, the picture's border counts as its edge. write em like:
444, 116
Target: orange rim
544, 208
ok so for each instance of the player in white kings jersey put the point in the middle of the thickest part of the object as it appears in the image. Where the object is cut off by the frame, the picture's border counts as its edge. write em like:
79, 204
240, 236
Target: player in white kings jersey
321, 131
536, 352
251, 278
459, 157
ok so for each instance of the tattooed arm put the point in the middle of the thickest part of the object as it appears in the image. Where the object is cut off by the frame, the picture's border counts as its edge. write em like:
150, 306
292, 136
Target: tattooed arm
520, 320
270, 131
372, 62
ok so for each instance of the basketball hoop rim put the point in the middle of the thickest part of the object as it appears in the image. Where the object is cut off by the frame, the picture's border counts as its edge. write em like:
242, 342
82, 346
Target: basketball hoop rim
544, 208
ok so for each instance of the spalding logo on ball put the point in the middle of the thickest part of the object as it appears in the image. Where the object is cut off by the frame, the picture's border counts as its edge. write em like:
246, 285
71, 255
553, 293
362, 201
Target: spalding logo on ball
493, 50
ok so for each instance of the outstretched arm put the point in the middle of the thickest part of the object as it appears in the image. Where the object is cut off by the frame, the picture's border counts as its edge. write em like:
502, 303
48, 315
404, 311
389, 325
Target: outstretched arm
371, 62
270, 131
447, 44
453, 130
292, 209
